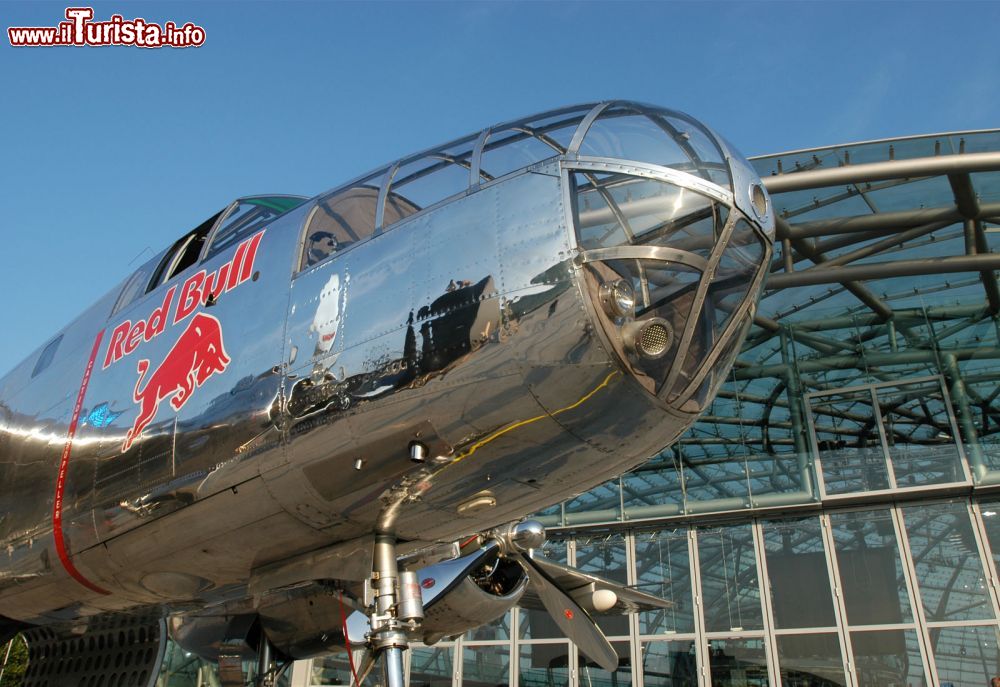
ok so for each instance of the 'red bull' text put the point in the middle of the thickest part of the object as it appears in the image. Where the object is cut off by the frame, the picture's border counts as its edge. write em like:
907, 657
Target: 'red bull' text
198, 289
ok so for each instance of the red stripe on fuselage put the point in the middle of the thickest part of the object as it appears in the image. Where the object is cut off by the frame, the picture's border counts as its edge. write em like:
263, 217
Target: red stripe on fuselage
57, 529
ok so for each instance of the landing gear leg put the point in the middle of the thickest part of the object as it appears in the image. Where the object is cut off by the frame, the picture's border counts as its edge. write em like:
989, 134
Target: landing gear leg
396, 610
265, 659
387, 635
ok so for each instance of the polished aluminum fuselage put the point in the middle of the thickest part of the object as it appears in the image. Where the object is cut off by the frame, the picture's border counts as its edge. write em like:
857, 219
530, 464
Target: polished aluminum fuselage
468, 327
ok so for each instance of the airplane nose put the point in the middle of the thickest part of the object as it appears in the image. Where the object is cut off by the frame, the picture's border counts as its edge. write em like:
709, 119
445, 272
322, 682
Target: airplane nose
674, 268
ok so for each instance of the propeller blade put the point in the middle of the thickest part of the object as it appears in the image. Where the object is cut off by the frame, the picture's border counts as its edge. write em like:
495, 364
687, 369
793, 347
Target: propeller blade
575, 622
589, 590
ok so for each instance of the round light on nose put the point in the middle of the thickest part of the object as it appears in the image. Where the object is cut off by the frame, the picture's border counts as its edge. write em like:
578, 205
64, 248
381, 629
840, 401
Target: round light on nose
648, 338
618, 298
759, 200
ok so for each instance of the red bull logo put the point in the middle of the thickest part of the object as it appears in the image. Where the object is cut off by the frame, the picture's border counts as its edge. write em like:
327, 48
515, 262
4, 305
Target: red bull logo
198, 354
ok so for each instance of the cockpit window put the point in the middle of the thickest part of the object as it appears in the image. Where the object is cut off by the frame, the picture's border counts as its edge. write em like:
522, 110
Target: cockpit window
339, 220
47, 356
513, 149
135, 285
183, 253
248, 216
419, 184
662, 137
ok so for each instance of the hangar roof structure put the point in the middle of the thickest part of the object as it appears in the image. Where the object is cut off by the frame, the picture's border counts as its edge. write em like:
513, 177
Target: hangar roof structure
877, 337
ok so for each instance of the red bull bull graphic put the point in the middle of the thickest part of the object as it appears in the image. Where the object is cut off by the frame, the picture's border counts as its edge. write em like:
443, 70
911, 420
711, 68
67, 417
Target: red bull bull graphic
198, 354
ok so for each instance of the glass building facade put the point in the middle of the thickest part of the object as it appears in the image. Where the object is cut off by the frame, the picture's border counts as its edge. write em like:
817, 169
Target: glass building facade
834, 516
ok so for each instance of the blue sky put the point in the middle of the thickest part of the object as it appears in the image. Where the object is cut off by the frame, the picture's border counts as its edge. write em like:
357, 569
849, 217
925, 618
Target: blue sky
109, 153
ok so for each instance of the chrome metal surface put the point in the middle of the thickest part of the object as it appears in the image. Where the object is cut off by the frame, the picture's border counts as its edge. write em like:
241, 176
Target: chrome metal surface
229, 434
528, 535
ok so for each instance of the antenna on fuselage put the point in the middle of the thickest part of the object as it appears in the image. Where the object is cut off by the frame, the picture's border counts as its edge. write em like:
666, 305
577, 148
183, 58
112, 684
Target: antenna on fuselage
138, 255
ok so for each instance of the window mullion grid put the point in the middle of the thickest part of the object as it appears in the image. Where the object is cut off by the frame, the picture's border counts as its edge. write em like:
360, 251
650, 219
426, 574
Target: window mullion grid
770, 643
514, 645
699, 622
916, 602
883, 438
814, 447
632, 575
573, 659
839, 604
986, 552
955, 432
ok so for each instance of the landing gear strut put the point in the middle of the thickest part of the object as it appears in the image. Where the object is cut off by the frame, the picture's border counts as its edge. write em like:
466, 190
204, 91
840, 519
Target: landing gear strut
265, 660
387, 636
397, 609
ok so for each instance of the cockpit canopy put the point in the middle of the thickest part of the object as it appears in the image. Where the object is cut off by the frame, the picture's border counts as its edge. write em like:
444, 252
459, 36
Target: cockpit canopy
617, 130
235, 222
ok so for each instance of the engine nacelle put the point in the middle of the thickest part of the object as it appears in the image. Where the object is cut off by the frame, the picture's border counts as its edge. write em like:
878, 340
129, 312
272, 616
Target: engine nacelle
305, 621
484, 593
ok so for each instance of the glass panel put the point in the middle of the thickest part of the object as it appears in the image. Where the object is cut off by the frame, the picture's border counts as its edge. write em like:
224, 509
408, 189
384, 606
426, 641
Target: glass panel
510, 150
136, 284
335, 670
727, 291
605, 497
737, 663
620, 133
777, 473
663, 289
428, 181
704, 147
430, 666
498, 629
180, 668
607, 557
670, 664
543, 665
558, 128
719, 478
625, 133
612, 208
919, 433
729, 582
965, 656
740, 260
801, 595
848, 442
663, 568
991, 520
871, 570
485, 666
339, 221
656, 482
813, 660
949, 571
718, 371
47, 356
592, 675
248, 217
888, 658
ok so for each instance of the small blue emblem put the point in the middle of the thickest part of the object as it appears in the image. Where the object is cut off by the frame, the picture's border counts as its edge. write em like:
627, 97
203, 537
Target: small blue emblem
101, 416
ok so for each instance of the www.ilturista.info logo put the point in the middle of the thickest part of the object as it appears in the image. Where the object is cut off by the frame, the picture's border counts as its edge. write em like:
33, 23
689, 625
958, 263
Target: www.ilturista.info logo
80, 29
